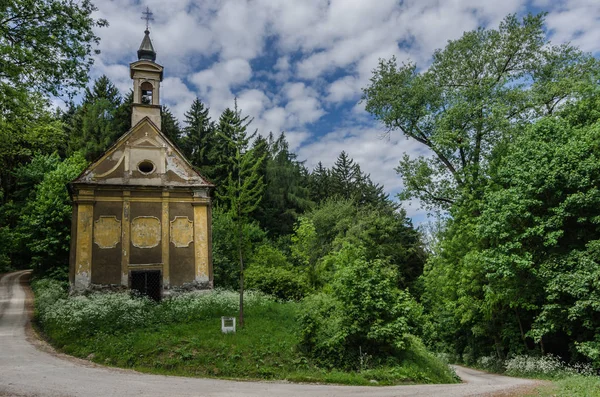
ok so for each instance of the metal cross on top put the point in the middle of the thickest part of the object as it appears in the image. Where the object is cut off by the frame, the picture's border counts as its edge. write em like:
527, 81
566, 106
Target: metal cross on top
148, 17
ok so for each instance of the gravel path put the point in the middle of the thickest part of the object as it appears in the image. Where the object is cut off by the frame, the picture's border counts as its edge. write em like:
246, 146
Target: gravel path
28, 367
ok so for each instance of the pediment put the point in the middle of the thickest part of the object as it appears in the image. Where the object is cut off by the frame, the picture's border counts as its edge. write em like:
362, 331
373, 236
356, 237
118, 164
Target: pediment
143, 156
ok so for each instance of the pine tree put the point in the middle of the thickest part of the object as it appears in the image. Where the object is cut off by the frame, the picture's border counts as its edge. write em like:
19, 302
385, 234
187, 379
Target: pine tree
344, 176
231, 128
198, 136
319, 183
286, 192
92, 127
170, 125
243, 189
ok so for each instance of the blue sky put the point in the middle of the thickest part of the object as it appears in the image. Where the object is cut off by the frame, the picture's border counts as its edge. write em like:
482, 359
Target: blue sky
299, 65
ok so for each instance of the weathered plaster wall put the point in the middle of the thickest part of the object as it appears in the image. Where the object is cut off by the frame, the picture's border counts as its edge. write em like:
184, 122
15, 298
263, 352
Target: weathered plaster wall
107, 247
146, 233
181, 256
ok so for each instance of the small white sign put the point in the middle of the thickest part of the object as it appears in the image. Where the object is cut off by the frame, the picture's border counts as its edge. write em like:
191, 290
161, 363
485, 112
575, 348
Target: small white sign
227, 324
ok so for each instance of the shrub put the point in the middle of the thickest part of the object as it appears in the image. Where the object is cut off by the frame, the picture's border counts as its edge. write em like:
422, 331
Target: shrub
490, 363
547, 366
361, 312
283, 283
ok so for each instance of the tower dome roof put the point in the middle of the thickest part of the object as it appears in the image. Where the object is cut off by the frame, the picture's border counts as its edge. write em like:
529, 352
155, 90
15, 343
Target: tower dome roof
146, 50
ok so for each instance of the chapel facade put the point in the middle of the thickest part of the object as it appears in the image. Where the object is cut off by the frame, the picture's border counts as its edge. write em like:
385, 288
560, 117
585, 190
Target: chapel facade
141, 212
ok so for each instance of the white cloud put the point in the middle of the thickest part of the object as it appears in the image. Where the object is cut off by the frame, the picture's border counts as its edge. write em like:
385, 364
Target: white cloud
293, 64
577, 22
215, 84
343, 89
175, 94
303, 105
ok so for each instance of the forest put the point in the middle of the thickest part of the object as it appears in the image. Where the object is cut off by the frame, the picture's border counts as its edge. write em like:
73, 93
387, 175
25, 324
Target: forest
509, 264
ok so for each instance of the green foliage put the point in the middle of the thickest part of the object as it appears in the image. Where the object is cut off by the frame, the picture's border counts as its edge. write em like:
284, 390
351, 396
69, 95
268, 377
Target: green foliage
572, 386
46, 45
25, 130
225, 247
306, 249
345, 180
170, 125
242, 189
198, 137
385, 234
270, 272
45, 225
281, 282
96, 124
360, 312
182, 336
531, 256
286, 193
476, 91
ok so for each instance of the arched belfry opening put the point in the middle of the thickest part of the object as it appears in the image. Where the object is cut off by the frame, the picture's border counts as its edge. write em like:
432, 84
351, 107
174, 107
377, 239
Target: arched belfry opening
146, 90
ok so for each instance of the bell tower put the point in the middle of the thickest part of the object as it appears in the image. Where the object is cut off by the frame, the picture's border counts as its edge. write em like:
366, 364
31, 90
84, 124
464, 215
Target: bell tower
146, 75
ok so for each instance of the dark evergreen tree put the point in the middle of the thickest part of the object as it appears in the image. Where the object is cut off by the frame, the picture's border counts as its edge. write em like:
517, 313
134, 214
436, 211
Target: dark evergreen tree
170, 125
231, 128
92, 126
286, 193
123, 114
319, 183
344, 176
198, 136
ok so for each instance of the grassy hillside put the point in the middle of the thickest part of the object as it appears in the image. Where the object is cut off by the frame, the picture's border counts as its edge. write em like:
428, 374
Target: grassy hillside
182, 336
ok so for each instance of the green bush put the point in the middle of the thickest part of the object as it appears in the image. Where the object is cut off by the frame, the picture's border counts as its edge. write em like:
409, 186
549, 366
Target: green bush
45, 224
283, 283
361, 313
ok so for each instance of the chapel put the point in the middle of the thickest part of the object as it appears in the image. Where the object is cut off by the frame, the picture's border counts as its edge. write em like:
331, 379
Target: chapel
141, 212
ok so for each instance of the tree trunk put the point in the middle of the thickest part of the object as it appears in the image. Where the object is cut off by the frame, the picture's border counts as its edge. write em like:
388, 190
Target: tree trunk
521, 329
241, 321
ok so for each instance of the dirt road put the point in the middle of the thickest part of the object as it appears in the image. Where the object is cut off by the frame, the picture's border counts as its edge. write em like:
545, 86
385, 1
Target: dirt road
27, 370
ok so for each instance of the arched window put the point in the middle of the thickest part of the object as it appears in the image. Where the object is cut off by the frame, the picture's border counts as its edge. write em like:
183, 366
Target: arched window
146, 93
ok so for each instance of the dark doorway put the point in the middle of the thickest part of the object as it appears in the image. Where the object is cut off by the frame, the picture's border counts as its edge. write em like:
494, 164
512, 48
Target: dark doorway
147, 282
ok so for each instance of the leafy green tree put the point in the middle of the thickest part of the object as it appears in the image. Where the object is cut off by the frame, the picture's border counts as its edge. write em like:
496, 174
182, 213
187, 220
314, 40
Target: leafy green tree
45, 46
519, 275
382, 234
225, 247
306, 249
361, 312
540, 229
269, 271
25, 131
476, 91
46, 220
